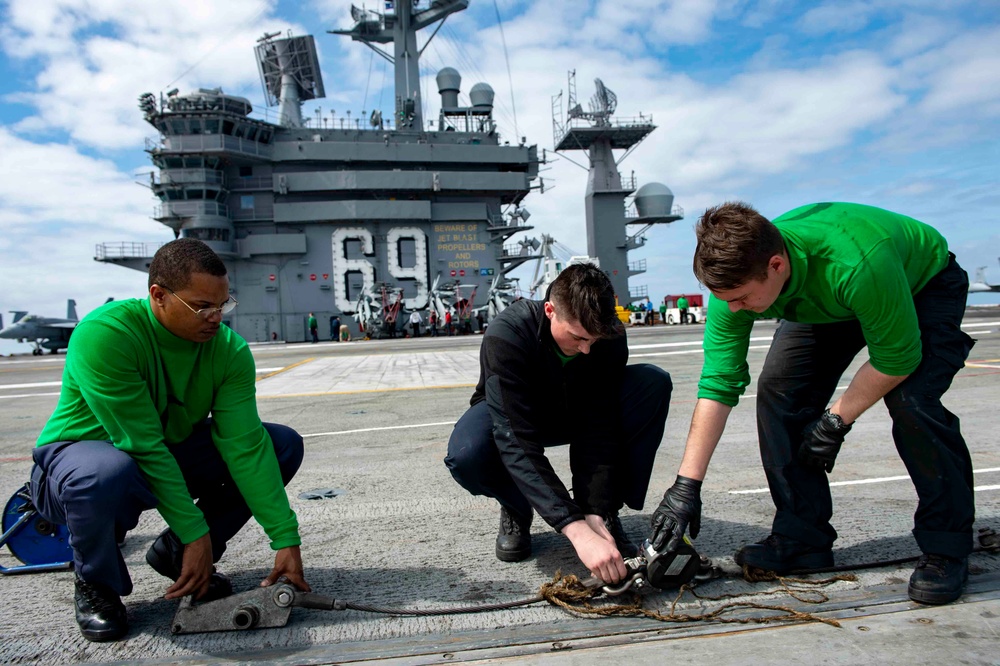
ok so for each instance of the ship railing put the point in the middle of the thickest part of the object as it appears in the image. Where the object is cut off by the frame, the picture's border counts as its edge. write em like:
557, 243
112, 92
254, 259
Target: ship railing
204, 143
125, 250
259, 211
189, 209
187, 177
560, 130
500, 221
515, 250
251, 183
635, 121
638, 266
632, 214
638, 291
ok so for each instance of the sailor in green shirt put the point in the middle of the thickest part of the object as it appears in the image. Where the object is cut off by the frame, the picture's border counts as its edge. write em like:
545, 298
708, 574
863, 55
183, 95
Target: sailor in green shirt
313, 326
682, 307
158, 409
840, 277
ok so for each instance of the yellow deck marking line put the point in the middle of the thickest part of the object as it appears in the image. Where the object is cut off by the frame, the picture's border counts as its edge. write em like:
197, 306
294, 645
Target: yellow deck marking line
981, 365
48, 369
287, 367
861, 482
378, 390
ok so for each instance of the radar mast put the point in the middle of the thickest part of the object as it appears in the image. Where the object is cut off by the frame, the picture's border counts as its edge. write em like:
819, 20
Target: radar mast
398, 26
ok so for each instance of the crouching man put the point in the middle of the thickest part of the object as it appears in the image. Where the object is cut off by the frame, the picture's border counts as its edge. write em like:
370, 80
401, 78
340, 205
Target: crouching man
158, 409
554, 372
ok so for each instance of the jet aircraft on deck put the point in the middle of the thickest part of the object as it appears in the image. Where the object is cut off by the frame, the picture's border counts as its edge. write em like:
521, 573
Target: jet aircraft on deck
979, 284
44, 332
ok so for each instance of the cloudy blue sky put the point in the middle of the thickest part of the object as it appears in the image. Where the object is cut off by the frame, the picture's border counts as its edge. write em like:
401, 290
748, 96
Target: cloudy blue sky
894, 103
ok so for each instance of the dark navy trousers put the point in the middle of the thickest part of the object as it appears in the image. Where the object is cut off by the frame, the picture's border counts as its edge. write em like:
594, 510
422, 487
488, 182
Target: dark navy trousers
98, 492
474, 460
800, 375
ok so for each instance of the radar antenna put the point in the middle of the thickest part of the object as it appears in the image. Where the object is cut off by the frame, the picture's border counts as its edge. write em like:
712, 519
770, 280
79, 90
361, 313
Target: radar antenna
290, 74
603, 103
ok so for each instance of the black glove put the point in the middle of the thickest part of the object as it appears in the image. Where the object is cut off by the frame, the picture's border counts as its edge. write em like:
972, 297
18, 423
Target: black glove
680, 507
821, 441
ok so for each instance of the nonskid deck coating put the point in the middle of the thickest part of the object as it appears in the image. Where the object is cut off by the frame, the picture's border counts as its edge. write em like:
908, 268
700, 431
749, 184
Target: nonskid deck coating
403, 533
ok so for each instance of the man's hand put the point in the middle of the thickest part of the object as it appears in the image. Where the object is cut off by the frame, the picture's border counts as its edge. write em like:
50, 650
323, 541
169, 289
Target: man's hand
288, 566
196, 569
680, 508
821, 441
596, 548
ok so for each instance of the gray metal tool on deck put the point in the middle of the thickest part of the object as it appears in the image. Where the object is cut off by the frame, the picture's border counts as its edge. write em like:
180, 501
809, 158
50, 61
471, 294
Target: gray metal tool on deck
260, 608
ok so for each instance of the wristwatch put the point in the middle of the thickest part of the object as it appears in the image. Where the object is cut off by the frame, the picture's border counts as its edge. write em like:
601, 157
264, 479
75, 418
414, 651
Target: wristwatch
834, 421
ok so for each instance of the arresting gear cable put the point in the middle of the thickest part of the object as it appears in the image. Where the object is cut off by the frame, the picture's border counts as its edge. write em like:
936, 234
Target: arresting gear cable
271, 606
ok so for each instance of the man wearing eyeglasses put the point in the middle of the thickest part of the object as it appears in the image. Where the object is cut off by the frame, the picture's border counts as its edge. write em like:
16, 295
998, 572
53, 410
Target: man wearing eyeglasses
157, 410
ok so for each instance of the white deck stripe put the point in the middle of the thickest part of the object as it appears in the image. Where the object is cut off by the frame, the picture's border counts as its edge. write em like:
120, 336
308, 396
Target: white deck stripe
33, 385
37, 360
981, 488
687, 351
25, 395
859, 482
689, 343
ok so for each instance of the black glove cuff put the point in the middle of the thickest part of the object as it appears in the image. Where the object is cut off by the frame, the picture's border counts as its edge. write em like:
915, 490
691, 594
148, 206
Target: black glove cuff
687, 482
834, 423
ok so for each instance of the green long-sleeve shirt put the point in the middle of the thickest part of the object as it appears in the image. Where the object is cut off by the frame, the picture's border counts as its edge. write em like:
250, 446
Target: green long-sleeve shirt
848, 261
130, 381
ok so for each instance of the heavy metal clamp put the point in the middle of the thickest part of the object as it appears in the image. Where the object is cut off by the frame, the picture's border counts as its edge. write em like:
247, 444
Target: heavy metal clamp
663, 571
260, 608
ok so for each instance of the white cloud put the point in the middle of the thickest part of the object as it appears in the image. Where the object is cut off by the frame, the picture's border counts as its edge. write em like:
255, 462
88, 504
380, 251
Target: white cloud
837, 16
56, 206
95, 57
781, 128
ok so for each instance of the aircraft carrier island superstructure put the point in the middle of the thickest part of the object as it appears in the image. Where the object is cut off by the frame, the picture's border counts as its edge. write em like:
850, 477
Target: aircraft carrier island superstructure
341, 215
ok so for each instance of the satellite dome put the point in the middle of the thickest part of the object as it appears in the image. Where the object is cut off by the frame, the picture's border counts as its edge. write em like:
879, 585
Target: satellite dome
654, 200
481, 96
448, 78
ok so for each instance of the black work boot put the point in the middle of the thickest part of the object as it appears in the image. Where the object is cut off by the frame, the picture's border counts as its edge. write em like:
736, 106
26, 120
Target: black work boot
938, 579
99, 612
166, 556
514, 537
626, 547
782, 554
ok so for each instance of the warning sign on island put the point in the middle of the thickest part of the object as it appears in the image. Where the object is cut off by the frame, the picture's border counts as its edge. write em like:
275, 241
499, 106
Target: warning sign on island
462, 246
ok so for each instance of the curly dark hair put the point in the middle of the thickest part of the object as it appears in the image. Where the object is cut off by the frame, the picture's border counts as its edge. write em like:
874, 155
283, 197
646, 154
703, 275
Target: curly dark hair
735, 244
583, 293
175, 263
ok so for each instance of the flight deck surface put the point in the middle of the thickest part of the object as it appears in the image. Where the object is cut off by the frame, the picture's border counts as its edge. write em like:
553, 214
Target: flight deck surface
376, 417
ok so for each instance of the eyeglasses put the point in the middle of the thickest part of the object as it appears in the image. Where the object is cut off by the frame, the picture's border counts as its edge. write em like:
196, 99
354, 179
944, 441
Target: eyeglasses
206, 313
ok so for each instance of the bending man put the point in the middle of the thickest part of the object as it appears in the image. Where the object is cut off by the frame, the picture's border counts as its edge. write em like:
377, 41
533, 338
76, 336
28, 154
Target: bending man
840, 276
